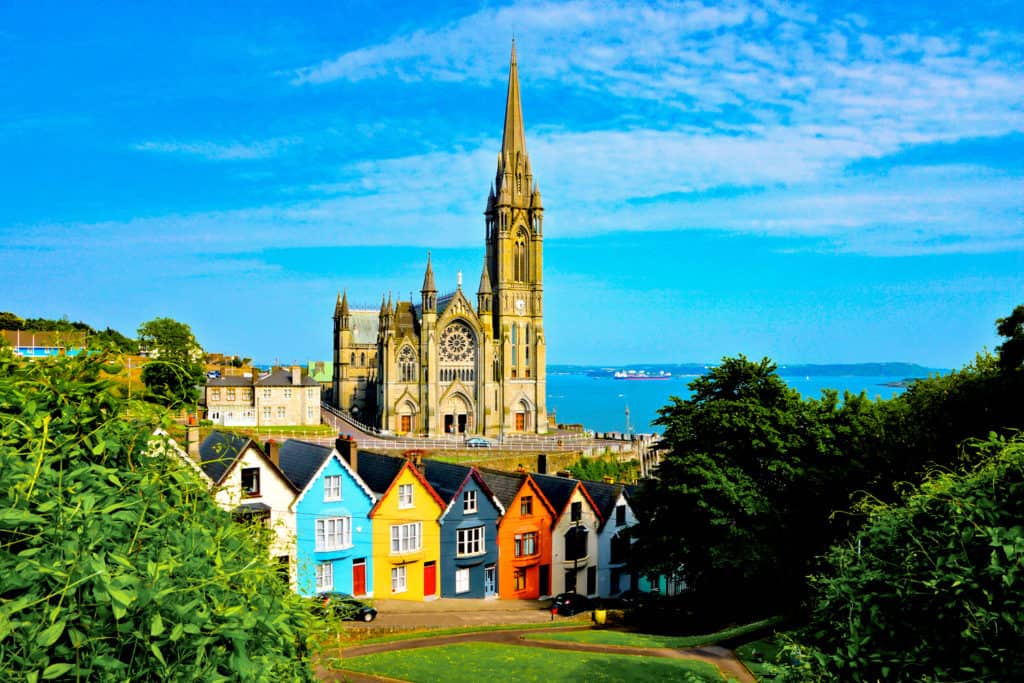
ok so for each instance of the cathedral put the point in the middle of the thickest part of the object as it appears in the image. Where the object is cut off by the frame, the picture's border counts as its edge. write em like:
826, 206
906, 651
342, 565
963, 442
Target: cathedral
443, 365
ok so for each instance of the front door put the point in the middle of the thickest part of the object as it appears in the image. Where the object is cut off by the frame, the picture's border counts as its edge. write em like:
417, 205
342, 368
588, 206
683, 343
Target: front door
359, 577
520, 422
462, 424
570, 580
591, 580
449, 423
406, 424
545, 579
490, 580
429, 578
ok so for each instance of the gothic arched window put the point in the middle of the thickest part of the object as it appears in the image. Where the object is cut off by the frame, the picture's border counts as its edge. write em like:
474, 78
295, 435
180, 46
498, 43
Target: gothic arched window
407, 364
526, 348
458, 353
520, 261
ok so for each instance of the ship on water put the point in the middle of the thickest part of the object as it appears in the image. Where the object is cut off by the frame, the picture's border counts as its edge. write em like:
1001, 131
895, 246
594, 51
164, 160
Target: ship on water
641, 374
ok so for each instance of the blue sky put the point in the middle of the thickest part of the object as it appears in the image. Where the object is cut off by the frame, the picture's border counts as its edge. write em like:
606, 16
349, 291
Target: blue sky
833, 182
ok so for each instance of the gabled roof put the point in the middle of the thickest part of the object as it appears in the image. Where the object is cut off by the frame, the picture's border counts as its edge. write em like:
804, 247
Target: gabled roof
604, 496
378, 471
406, 321
282, 377
558, 491
448, 479
218, 452
506, 486
332, 453
300, 460
230, 381
407, 465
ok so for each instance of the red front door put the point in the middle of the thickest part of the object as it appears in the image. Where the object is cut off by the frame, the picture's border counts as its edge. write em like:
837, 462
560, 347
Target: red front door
359, 577
429, 578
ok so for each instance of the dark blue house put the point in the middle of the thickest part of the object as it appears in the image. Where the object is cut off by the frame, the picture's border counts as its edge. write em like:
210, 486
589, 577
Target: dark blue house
469, 530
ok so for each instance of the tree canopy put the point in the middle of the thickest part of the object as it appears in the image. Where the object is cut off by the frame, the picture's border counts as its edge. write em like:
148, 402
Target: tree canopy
175, 368
115, 561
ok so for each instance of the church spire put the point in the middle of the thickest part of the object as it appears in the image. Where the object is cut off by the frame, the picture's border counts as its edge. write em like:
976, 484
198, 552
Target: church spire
428, 278
513, 140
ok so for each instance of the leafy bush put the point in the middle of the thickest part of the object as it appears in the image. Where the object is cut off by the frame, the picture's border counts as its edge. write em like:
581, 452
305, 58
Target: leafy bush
115, 562
932, 589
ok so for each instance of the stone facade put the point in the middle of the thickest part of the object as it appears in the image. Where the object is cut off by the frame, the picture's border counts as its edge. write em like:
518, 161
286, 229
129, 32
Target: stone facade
443, 365
284, 397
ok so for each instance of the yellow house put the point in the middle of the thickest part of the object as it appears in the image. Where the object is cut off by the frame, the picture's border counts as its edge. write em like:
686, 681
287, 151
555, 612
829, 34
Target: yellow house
406, 533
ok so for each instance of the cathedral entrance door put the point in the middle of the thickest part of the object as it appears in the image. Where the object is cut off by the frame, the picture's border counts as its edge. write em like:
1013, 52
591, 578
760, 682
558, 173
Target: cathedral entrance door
520, 422
462, 424
406, 424
449, 422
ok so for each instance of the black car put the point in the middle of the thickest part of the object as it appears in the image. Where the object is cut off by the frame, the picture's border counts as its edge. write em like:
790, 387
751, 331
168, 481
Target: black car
343, 606
568, 604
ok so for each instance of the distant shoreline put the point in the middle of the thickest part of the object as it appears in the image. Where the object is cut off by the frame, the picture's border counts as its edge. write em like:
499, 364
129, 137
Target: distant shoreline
909, 371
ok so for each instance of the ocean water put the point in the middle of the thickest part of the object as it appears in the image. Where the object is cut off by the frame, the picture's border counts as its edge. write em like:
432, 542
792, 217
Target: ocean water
600, 403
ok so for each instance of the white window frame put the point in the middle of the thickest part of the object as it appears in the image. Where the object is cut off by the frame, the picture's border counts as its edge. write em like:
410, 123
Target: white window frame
398, 580
281, 414
333, 533
406, 538
462, 580
332, 487
469, 502
324, 576
267, 393
214, 394
287, 394
229, 394
470, 542
405, 496
266, 412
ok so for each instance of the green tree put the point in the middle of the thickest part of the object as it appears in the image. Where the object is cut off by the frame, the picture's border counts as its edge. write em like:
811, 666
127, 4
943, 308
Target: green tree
1011, 352
730, 490
115, 561
9, 321
931, 588
175, 369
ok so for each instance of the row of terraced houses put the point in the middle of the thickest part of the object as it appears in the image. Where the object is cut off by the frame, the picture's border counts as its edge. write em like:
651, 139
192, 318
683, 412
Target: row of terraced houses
409, 528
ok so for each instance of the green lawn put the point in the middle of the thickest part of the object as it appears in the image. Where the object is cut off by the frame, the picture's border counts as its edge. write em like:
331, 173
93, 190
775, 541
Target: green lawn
474, 662
760, 656
630, 639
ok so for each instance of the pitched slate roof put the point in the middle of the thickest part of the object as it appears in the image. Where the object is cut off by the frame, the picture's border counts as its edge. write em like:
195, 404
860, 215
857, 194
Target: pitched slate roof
406, 322
446, 478
218, 451
505, 485
604, 497
230, 381
300, 460
282, 377
558, 490
378, 471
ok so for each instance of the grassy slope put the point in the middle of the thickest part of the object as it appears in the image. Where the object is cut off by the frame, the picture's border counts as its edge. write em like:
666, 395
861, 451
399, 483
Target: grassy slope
630, 639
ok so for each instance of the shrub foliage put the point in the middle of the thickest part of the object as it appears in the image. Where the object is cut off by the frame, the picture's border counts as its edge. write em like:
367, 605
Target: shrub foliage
115, 562
931, 589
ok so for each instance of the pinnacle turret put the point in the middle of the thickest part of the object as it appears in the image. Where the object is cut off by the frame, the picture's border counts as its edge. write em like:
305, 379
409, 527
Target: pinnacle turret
428, 278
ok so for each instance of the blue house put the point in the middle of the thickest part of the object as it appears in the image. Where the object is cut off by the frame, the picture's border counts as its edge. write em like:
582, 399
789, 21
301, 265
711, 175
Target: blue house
469, 530
333, 534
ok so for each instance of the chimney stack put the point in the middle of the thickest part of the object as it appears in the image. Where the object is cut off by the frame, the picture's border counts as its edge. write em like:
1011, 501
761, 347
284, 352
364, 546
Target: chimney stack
273, 452
296, 375
192, 440
348, 450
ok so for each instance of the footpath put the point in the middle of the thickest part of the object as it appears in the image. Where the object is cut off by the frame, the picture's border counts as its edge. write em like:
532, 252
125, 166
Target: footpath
723, 658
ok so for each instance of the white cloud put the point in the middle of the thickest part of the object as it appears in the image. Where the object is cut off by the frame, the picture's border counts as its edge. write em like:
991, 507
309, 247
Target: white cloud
219, 151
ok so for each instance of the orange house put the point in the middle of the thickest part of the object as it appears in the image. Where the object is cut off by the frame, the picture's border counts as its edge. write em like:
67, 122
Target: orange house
524, 536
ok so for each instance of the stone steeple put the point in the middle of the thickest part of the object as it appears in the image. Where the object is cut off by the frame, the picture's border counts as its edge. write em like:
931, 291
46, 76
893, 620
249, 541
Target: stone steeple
514, 179
428, 294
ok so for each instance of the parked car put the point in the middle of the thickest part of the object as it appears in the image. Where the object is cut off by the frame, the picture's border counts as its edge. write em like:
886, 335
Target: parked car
477, 442
628, 599
343, 606
568, 604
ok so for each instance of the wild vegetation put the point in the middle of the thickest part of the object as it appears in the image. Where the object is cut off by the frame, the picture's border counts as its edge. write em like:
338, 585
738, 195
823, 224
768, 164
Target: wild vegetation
115, 562
769, 484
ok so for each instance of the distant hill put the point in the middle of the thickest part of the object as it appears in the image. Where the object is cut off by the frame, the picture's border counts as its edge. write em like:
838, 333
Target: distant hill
890, 369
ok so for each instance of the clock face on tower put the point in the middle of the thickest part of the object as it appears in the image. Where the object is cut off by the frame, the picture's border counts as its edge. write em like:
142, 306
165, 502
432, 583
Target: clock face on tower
520, 305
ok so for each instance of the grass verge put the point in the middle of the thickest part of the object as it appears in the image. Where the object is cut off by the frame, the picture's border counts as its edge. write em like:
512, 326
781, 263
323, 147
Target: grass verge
762, 657
344, 638
631, 639
473, 662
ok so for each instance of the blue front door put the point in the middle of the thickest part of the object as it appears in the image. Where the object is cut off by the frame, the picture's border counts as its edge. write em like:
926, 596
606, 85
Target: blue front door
490, 580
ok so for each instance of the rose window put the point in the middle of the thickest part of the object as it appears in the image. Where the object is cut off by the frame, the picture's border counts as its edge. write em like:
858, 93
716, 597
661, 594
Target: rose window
456, 344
